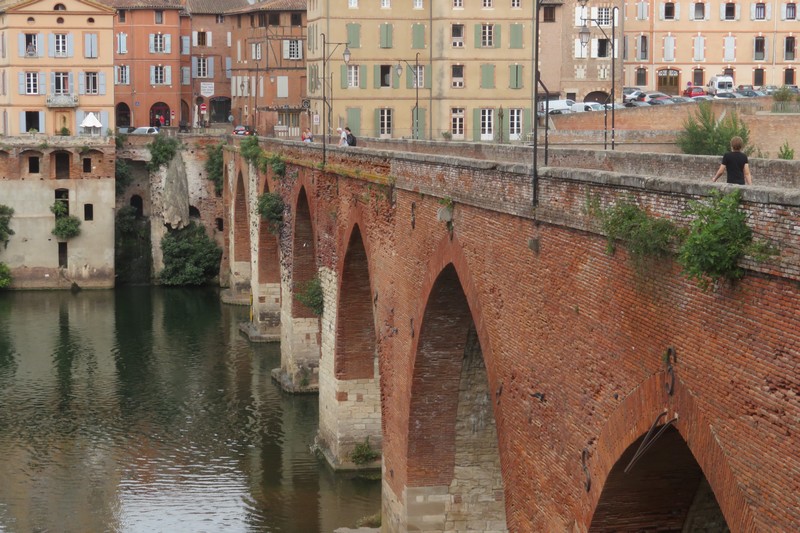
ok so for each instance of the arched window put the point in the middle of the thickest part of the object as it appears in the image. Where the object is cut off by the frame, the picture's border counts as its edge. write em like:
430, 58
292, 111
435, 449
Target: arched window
59, 7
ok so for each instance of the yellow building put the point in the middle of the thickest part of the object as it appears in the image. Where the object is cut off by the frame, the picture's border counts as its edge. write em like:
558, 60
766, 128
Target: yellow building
670, 45
57, 66
465, 65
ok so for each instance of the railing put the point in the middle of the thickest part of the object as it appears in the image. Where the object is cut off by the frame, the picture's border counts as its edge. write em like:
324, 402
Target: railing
62, 100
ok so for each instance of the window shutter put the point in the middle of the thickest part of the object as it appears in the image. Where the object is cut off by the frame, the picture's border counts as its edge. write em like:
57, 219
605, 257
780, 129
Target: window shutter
343, 75
194, 66
167, 43
738, 12
210, 68
669, 48
52, 83
194, 38
699, 48
722, 11
376, 71
81, 83
185, 45
42, 126
527, 122
418, 36
152, 75
496, 35
87, 45
104, 120
23, 127
661, 9
729, 49
168, 73
209, 37
477, 35
354, 35
79, 116
285, 44
515, 36
395, 79
186, 80
421, 112
752, 12
70, 45
783, 11
580, 50
354, 119
152, 43
116, 75
487, 76
228, 65
594, 43
476, 124
102, 77
51, 45
363, 76
124, 44
21, 80
769, 11
677, 11
691, 11
427, 81
512, 75
21, 43
377, 122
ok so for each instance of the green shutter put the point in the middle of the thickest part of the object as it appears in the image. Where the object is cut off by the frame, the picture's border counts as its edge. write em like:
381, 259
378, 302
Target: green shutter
344, 76
363, 76
512, 76
506, 124
382, 35
421, 123
395, 78
376, 81
527, 125
516, 36
386, 35
377, 122
496, 35
409, 77
487, 76
354, 35
427, 75
354, 120
418, 36
476, 124
477, 35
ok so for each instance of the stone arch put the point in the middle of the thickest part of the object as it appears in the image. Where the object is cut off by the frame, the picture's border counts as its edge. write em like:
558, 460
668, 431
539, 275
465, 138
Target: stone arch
453, 461
267, 300
137, 203
269, 268
601, 97
122, 114
697, 467
241, 229
304, 256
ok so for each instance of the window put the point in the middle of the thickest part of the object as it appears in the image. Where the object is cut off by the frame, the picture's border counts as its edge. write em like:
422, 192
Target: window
159, 16
730, 11
487, 4
457, 32
90, 45
63, 255
31, 83
604, 16
352, 3
386, 4
457, 122
418, 80
641, 77
788, 76
159, 74
487, 35
59, 7
699, 11
788, 49
60, 49
274, 19
418, 4
88, 209
727, 72
457, 76
791, 11
697, 77
296, 19
220, 19
61, 83
669, 11
487, 124
549, 13
760, 11
514, 124
123, 75
516, 3
91, 83
353, 76
458, 4
293, 50
385, 122
759, 49
202, 67
603, 48
33, 164
31, 48
642, 52
758, 77
202, 38
122, 14
386, 76
158, 43
255, 51
262, 20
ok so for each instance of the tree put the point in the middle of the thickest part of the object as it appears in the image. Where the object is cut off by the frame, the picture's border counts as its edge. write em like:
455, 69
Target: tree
5, 220
703, 134
190, 256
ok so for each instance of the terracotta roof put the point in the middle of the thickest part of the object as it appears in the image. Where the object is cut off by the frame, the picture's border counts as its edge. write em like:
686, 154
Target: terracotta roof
215, 7
143, 4
269, 5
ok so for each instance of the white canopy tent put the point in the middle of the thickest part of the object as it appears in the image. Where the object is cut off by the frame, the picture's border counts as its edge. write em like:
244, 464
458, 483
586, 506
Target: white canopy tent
91, 125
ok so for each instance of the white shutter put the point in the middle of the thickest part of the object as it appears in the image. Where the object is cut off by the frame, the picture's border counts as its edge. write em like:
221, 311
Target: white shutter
194, 38
168, 75
579, 15
729, 53
783, 11
677, 11
699, 48
580, 50
769, 11
208, 38
286, 47
124, 43
594, 44
661, 8
300, 49
691, 11
738, 12
752, 12
722, 11
283, 86
669, 48
229, 39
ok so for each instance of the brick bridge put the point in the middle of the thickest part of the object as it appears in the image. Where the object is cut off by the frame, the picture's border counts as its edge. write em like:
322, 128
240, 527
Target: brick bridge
504, 364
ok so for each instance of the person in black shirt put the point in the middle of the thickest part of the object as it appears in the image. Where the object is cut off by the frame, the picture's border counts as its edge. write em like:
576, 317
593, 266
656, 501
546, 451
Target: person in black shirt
736, 164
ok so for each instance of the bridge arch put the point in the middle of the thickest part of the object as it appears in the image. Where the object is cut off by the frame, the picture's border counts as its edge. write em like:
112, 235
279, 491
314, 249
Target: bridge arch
304, 256
241, 238
684, 477
454, 474
267, 300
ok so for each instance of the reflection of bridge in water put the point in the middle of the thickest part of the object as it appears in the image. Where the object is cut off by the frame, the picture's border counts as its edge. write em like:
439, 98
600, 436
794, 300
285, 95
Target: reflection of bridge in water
509, 368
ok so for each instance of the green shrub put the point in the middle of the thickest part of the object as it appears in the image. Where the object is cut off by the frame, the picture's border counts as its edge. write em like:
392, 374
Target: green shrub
190, 256
5, 221
276, 163
784, 94
126, 220
119, 140
123, 176
373, 521
703, 134
364, 454
785, 152
250, 150
270, 207
5, 276
162, 150
67, 226
310, 295
718, 239
214, 166
644, 236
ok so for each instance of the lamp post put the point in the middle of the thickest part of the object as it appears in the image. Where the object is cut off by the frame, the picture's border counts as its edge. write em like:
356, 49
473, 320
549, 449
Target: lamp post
326, 108
537, 81
241, 97
585, 35
399, 69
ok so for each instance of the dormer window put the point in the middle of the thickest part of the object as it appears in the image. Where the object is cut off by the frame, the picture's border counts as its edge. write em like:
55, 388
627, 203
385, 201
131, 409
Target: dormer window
59, 7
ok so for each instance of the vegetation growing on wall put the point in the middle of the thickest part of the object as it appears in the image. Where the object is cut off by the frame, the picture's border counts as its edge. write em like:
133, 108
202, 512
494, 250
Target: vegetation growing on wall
644, 236
190, 256
718, 239
703, 134
123, 176
162, 150
5, 276
214, 166
310, 295
785, 152
270, 207
364, 453
5, 222
67, 226
132, 255
250, 150
276, 163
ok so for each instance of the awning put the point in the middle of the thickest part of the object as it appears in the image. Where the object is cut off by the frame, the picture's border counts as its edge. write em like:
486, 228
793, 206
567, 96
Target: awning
91, 122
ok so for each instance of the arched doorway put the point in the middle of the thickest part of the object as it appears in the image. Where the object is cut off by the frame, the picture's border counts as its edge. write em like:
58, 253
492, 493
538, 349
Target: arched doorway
157, 111
186, 116
600, 97
137, 203
665, 486
123, 115
668, 81
220, 108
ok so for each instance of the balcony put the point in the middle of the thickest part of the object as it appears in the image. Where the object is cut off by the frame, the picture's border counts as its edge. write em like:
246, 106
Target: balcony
62, 100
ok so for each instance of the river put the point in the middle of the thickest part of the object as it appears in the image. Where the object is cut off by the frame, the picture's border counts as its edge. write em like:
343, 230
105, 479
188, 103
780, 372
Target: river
144, 410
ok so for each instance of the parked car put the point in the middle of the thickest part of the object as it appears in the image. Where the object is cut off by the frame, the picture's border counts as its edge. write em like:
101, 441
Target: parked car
556, 107
768, 89
244, 130
125, 129
652, 95
703, 98
750, 93
741, 88
693, 91
681, 99
144, 130
630, 93
586, 106
661, 101
636, 103
719, 84
725, 95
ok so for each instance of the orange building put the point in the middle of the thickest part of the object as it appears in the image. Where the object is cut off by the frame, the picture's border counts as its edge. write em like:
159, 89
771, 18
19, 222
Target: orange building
147, 61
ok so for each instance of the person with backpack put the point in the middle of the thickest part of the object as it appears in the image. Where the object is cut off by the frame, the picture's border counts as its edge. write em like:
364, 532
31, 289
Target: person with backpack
351, 139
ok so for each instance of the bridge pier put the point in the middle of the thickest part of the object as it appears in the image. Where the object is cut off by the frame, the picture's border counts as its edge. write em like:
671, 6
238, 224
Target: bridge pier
300, 340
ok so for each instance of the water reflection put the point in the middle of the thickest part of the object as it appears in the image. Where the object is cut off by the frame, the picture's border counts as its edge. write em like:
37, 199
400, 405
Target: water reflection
145, 410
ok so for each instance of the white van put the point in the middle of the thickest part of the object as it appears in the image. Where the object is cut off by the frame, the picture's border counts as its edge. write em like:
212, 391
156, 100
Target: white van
580, 107
555, 107
721, 84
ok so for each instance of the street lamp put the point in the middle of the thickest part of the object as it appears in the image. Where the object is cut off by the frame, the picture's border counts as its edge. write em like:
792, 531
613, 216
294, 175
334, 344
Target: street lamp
399, 69
537, 81
326, 108
585, 35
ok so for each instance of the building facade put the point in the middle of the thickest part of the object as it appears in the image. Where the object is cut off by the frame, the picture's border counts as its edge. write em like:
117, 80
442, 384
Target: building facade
671, 45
